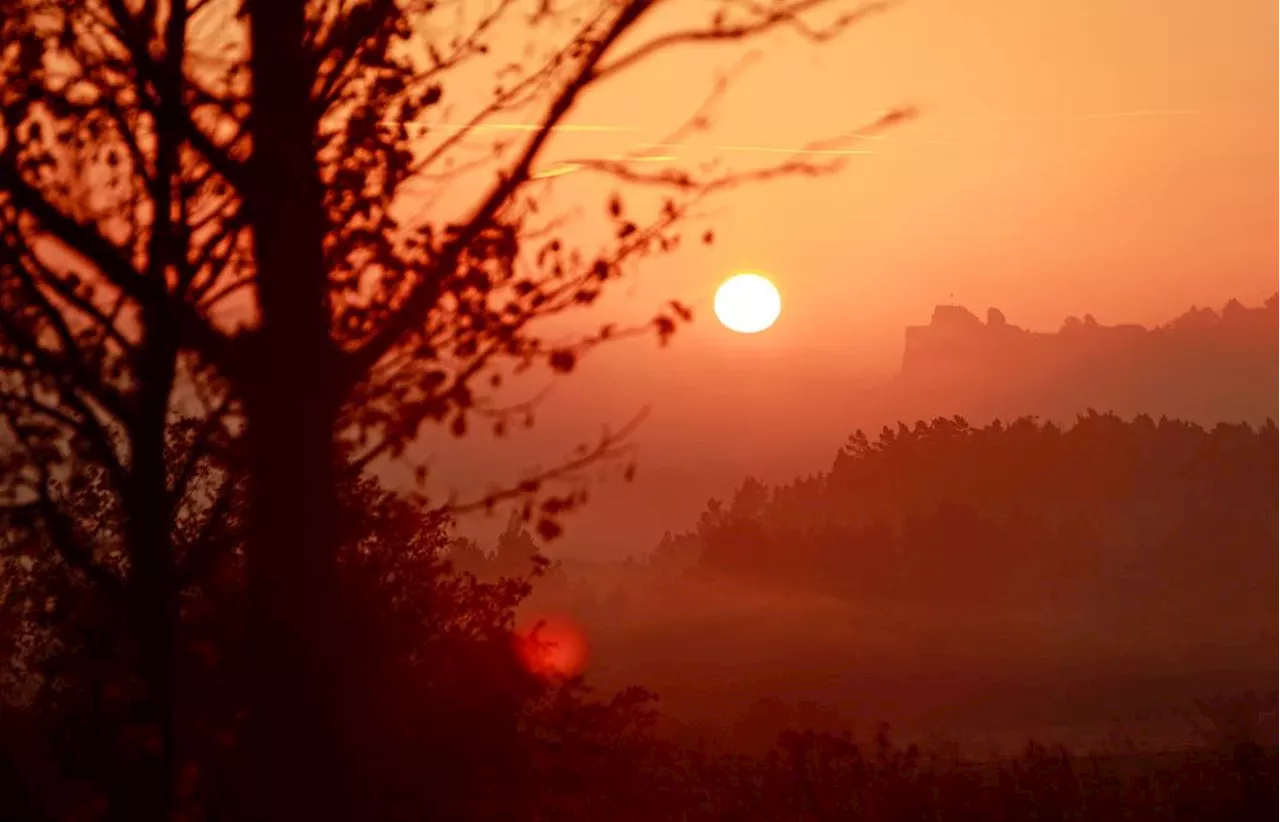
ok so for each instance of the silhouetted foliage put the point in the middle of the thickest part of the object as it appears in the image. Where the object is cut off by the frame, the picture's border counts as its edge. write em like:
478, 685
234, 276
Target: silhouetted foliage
443, 708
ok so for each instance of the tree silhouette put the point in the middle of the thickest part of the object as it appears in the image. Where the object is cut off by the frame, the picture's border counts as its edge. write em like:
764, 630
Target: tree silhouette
1125, 515
209, 208
445, 707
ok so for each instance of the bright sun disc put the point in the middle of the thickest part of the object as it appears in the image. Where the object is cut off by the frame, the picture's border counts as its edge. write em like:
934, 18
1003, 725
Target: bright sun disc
747, 303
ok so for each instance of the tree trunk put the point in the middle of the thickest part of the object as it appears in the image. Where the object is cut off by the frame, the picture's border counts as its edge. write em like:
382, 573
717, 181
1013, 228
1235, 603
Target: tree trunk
153, 598
153, 593
291, 403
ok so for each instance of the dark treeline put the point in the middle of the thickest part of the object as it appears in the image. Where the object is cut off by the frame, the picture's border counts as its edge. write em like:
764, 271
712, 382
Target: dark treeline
451, 725
1106, 512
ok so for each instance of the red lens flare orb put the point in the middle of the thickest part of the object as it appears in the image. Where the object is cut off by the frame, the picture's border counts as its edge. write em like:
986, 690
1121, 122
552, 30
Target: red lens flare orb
551, 646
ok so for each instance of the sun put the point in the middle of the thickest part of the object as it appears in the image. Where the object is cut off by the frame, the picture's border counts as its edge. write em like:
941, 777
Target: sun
747, 303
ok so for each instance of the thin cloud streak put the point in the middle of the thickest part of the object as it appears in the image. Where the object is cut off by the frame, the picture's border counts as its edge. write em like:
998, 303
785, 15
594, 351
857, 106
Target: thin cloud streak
562, 168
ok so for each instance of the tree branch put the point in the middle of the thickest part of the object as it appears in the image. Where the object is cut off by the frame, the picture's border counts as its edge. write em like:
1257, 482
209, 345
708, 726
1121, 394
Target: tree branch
161, 76
61, 531
204, 548
82, 239
344, 41
766, 19
69, 546
197, 451
411, 311
609, 445
71, 364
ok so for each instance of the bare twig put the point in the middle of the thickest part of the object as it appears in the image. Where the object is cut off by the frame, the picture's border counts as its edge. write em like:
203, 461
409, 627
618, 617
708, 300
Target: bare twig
764, 19
609, 446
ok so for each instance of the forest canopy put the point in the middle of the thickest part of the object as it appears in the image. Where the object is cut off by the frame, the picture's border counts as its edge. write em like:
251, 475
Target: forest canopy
1107, 511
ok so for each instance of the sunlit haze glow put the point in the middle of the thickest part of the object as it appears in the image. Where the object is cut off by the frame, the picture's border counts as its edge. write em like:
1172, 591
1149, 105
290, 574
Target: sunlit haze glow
552, 646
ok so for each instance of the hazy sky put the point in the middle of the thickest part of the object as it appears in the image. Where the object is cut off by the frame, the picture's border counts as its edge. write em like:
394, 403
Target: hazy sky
1113, 157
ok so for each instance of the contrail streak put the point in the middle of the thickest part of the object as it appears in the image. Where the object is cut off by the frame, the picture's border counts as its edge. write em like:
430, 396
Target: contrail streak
562, 168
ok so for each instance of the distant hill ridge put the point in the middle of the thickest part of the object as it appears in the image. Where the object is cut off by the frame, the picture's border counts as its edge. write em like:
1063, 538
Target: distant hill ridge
956, 336
1205, 365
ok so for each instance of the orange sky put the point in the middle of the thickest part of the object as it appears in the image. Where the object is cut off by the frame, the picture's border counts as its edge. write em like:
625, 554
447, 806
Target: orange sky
1113, 157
